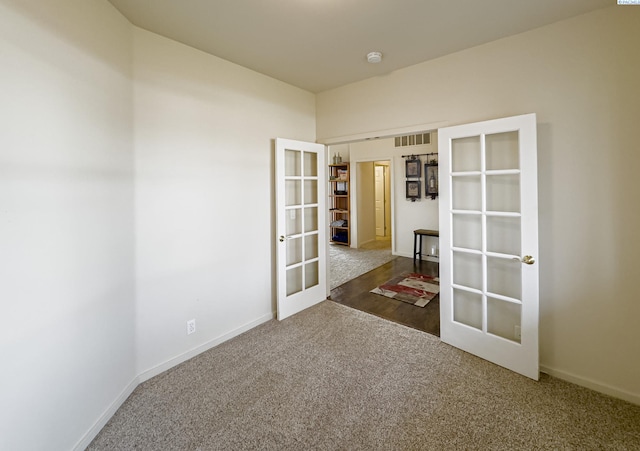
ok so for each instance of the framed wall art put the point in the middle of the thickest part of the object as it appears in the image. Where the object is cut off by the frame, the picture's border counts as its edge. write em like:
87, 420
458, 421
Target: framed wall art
413, 189
412, 168
431, 179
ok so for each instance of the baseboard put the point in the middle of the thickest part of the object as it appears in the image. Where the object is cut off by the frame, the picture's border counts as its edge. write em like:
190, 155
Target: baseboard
106, 416
424, 257
591, 384
152, 372
117, 403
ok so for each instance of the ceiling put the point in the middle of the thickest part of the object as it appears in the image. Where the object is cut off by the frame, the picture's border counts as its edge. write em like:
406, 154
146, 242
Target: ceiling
322, 44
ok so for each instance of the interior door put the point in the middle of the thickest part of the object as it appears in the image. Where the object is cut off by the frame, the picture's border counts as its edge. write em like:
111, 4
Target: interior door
380, 200
301, 225
489, 241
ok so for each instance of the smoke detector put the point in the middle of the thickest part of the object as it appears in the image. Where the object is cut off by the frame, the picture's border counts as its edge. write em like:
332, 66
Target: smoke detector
374, 57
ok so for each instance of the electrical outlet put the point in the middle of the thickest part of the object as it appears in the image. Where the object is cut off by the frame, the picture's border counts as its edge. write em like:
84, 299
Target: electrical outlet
191, 326
516, 332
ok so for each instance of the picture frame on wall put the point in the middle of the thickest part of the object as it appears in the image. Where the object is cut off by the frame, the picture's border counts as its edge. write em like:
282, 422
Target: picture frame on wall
412, 168
431, 180
413, 189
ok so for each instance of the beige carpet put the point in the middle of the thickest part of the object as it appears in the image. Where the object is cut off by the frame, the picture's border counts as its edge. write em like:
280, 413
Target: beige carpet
334, 378
346, 263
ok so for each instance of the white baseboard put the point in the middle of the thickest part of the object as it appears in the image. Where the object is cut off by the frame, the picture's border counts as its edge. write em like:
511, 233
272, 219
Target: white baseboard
424, 257
591, 384
106, 416
152, 372
146, 375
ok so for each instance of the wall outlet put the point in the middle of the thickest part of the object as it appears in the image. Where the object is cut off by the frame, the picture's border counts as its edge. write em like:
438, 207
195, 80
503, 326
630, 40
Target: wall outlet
191, 326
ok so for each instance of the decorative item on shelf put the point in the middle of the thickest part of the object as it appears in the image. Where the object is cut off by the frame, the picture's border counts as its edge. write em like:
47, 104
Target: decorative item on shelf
341, 189
340, 236
431, 178
413, 190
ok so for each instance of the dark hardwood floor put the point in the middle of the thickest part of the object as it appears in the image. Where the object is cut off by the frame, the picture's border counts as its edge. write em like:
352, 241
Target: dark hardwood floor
355, 293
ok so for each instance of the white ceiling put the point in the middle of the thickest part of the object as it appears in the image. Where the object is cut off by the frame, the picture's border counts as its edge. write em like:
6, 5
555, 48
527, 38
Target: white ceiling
322, 44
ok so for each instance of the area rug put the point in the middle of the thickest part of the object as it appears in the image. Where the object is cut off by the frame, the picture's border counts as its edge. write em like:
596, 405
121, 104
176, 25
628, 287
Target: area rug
416, 289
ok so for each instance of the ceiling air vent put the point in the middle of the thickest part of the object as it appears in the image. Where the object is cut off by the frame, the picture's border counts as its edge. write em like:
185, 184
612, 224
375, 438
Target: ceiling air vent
413, 140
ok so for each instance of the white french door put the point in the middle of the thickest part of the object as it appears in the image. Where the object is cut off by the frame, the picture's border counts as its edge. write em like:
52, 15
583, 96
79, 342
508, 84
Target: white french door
489, 241
301, 225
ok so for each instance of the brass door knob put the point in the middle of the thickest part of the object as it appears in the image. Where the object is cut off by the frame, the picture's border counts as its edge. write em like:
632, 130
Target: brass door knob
528, 260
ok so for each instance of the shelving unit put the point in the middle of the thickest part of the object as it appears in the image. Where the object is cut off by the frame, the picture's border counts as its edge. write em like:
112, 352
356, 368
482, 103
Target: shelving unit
339, 204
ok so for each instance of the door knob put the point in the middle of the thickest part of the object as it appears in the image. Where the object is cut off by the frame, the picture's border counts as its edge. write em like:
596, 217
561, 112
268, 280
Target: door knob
281, 238
527, 260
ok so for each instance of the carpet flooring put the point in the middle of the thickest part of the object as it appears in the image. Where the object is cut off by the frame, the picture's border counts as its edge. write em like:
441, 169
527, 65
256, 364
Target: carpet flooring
346, 263
335, 378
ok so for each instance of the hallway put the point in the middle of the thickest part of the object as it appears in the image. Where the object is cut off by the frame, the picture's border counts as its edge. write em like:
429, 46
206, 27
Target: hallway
355, 293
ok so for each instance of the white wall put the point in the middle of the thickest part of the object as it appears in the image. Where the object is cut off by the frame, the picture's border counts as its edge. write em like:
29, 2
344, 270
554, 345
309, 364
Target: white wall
581, 78
67, 313
196, 229
408, 216
204, 195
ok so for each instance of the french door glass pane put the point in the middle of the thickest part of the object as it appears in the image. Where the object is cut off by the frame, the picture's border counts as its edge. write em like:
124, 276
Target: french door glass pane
504, 277
310, 192
467, 231
310, 219
292, 192
467, 270
294, 251
310, 247
294, 280
310, 164
293, 221
503, 319
503, 193
503, 235
466, 193
465, 154
311, 275
502, 151
467, 308
292, 163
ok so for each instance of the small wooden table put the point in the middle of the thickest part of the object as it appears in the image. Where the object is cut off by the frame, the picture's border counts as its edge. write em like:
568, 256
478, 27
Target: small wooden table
420, 233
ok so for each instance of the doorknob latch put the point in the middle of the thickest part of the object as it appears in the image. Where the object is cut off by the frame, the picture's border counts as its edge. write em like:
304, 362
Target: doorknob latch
282, 238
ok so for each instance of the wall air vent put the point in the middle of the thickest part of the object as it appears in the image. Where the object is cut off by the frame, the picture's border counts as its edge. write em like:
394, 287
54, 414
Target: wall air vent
413, 140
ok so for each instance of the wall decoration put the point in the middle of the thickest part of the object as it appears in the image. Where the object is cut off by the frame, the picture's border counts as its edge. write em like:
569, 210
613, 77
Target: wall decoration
413, 171
413, 190
431, 178
412, 167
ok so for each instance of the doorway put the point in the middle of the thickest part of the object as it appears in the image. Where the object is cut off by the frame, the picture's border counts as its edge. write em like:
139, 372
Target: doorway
377, 179
382, 199
373, 204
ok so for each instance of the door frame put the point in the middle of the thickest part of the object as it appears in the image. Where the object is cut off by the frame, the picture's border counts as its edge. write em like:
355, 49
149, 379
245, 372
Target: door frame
354, 199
